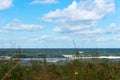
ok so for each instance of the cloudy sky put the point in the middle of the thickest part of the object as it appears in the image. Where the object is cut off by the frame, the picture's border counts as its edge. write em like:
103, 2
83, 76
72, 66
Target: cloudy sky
59, 24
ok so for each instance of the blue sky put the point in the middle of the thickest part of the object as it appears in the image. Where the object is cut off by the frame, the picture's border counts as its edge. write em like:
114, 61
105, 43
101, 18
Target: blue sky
59, 23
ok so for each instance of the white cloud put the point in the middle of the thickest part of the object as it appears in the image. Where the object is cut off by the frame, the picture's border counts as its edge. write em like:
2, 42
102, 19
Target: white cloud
114, 28
2, 31
91, 32
62, 38
52, 37
57, 29
102, 39
74, 27
44, 2
5, 4
19, 26
80, 16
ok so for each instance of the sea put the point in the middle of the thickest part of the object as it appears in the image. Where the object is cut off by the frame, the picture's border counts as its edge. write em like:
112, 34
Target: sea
59, 55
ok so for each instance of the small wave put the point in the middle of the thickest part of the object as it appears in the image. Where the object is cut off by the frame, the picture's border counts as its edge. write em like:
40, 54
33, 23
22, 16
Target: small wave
55, 60
90, 57
4, 57
41, 59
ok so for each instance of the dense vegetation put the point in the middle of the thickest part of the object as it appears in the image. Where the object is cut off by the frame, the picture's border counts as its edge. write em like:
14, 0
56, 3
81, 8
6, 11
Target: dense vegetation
74, 70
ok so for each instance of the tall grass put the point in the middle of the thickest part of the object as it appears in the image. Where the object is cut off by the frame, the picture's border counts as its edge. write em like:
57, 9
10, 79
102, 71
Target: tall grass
99, 70
78, 69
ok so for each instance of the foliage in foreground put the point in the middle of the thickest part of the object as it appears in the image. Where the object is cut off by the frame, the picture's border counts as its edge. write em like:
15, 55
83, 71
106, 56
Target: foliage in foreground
75, 70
